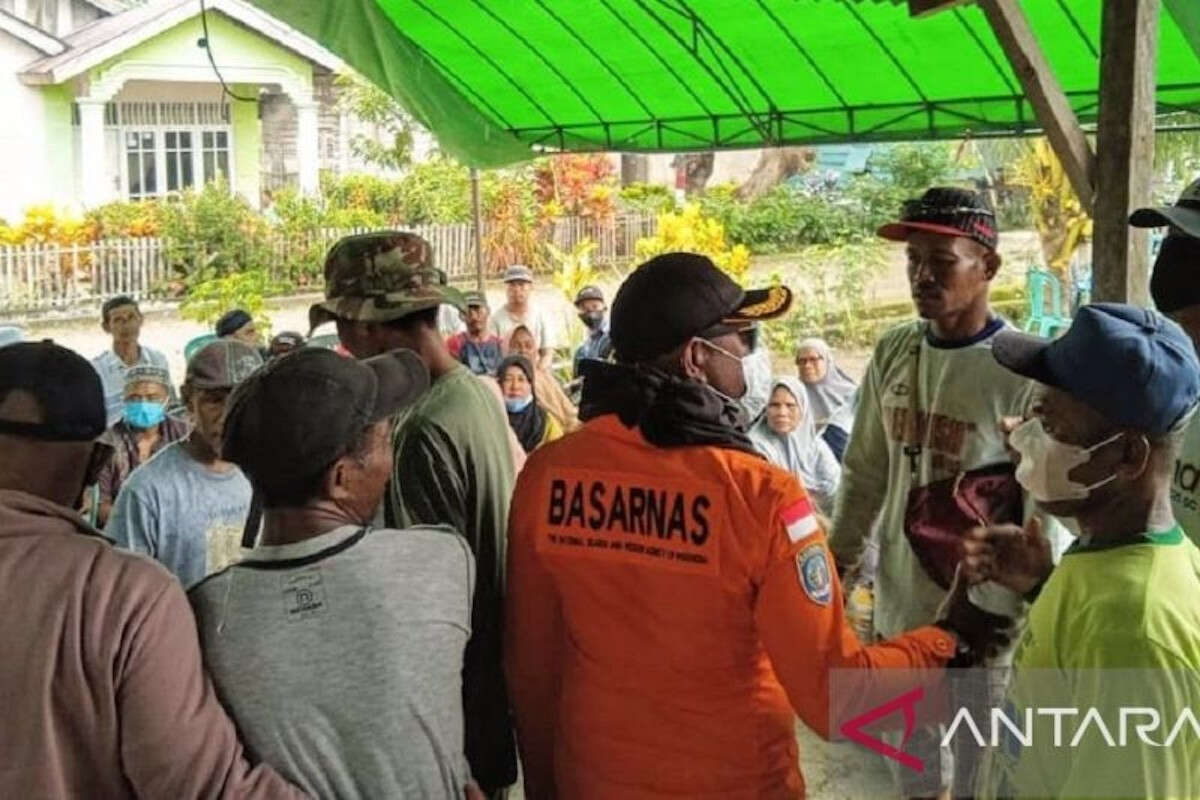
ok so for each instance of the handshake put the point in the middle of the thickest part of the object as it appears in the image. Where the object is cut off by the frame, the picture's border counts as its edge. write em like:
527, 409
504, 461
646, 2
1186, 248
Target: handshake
1015, 557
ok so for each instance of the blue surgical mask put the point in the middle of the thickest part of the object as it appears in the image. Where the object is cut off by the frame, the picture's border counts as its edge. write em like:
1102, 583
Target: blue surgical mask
144, 414
516, 405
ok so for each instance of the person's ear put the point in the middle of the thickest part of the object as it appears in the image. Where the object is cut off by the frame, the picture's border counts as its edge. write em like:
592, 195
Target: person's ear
1135, 458
991, 264
104, 326
692, 360
336, 483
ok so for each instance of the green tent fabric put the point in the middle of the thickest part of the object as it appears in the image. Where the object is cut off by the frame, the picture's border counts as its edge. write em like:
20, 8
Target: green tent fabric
499, 80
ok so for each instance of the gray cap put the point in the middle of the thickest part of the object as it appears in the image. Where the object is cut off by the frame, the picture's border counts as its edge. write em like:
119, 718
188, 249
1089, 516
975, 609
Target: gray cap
222, 364
518, 272
147, 372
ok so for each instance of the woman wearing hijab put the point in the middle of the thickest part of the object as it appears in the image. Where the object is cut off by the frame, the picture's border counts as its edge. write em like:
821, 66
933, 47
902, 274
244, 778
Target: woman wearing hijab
549, 392
787, 436
529, 421
832, 394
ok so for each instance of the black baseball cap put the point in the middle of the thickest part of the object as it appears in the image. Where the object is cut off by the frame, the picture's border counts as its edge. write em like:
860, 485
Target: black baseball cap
66, 386
675, 296
1185, 214
290, 420
949, 211
1133, 365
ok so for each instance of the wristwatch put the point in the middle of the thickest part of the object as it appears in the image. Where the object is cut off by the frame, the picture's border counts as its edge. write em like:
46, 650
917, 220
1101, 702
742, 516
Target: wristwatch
964, 654
1033, 593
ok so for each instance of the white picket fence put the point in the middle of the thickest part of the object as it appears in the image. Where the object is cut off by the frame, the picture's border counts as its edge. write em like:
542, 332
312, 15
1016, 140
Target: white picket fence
39, 278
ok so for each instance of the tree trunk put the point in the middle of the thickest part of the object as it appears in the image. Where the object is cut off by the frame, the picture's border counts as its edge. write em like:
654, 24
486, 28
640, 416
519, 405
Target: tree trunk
697, 169
775, 166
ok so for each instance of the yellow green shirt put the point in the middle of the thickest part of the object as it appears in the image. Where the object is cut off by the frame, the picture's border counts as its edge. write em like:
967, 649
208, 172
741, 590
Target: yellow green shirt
1115, 627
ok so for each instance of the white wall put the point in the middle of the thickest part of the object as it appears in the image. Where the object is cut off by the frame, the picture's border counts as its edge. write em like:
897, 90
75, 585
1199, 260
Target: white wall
169, 92
23, 141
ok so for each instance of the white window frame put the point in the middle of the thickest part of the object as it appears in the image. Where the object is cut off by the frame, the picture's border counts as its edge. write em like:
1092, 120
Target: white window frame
160, 130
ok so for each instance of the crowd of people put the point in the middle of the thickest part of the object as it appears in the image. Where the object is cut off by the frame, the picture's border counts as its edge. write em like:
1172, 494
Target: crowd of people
402, 567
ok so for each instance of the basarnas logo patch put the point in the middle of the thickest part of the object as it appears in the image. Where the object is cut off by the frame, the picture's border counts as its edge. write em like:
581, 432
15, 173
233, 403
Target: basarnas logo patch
813, 567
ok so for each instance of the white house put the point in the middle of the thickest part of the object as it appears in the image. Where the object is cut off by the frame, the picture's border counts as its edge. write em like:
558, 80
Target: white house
118, 99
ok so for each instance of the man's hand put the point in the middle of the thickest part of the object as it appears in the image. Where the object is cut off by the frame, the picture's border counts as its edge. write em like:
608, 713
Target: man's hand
473, 792
1006, 426
1019, 558
983, 632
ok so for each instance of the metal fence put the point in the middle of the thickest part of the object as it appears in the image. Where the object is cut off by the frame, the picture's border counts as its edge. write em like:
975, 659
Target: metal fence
41, 278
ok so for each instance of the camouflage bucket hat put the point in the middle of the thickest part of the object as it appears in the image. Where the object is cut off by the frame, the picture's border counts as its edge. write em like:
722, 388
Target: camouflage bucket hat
381, 276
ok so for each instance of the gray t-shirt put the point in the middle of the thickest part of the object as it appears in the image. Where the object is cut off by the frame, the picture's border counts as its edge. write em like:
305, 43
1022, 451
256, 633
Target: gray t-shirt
340, 659
182, 514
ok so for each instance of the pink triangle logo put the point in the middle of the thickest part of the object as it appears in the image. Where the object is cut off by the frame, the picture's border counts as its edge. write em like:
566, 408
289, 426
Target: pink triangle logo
906, 703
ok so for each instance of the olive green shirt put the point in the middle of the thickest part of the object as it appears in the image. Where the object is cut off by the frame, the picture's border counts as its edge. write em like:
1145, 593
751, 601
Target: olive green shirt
454, 467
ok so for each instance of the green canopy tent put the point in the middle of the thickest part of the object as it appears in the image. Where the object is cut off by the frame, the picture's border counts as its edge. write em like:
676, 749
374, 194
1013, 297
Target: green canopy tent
499, 80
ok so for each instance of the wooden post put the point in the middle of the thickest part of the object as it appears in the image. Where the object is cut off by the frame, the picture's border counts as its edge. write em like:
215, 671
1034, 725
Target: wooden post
477, 217
1042, 88
1125, 148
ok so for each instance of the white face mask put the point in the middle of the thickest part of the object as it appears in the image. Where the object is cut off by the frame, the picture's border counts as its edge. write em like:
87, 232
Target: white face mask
741, 361
1046, 463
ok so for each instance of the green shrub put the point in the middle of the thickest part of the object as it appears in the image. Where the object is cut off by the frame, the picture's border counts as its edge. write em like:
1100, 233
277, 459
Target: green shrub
212, 232
364, 193
647, 197
435, 191
830, 283
208, 299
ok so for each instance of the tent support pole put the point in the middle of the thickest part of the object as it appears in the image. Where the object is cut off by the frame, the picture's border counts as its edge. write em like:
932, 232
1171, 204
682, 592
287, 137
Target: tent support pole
477, 229
1125, 148
1045, 94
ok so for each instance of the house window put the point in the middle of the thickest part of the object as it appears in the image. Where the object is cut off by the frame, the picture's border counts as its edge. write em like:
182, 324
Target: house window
216, 155
140, 158
169, 147
180, 160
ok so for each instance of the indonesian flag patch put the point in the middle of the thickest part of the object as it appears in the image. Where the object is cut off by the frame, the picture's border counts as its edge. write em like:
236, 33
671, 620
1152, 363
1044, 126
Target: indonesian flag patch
800, 518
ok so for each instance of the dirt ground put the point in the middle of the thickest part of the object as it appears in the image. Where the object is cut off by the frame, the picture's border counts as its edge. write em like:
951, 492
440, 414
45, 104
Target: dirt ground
166, 331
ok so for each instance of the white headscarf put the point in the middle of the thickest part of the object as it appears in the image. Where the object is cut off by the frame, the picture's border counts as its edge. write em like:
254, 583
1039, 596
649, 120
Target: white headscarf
801, 452
833, 397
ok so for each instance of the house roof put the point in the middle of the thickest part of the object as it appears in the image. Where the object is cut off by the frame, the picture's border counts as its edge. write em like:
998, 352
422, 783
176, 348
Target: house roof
31, 35
115, 6
97, 42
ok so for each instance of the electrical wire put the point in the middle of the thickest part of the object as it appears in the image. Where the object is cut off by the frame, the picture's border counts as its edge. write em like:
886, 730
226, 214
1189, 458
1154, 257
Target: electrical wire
208, 49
